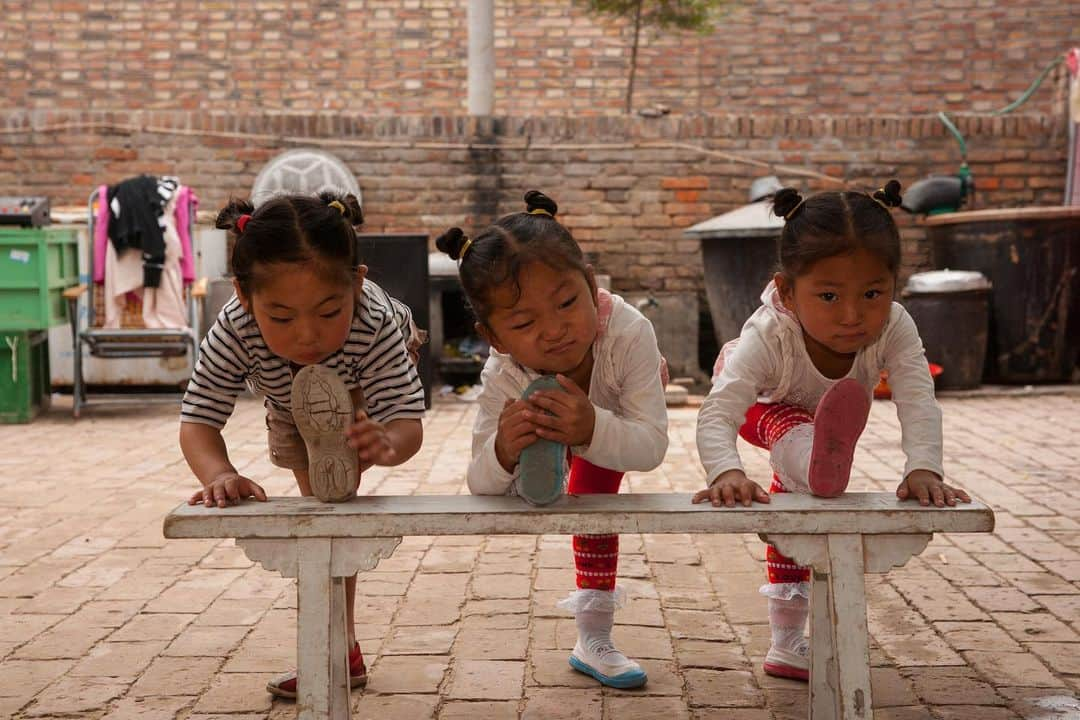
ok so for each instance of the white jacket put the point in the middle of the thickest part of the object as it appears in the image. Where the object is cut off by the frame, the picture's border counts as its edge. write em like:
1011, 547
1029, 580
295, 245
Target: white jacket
630, 432
769, 363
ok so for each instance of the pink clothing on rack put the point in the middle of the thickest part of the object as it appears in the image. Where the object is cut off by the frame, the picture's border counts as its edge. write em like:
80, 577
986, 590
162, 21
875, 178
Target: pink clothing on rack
187, 202
101, 233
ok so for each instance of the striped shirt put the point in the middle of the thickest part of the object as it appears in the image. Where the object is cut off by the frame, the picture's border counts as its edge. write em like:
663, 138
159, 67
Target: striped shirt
234, 356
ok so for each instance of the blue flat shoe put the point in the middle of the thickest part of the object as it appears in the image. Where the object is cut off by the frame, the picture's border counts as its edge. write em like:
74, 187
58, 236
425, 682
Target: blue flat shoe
542, 466
623, 681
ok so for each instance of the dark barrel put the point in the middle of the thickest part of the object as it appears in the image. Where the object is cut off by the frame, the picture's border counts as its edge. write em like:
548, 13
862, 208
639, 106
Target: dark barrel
1032, 258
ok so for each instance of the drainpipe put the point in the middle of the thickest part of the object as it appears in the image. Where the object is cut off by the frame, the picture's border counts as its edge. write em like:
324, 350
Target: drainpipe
481, 16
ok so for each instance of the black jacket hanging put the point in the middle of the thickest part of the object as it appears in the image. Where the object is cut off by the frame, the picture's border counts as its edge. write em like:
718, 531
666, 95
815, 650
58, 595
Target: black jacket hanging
135, 206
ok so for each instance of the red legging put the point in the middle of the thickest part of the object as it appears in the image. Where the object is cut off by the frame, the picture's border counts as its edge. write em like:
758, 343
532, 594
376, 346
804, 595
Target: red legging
595, 556
765, 424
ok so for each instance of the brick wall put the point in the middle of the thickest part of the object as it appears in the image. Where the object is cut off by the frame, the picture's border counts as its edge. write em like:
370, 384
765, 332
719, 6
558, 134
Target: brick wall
627, 187
386, 57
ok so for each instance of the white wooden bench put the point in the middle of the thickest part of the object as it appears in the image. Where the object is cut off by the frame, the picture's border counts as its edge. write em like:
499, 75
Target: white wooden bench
842, 538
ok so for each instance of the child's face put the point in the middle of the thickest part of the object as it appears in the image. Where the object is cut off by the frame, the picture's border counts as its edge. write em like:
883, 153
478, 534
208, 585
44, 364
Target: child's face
304, 317
550, 327
842, 302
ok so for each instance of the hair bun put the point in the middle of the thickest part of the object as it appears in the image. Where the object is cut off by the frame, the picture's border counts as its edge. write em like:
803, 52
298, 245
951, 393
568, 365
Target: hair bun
231, 213
536, 200
889, 195
785, 200
451, 242
352, 211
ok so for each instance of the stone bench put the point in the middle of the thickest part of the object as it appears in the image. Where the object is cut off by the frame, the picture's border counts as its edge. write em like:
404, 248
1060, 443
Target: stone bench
841, 539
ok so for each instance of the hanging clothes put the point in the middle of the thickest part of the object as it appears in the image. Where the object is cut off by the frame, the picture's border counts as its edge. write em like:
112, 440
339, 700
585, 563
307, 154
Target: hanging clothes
187, 202
136, 206
163, 306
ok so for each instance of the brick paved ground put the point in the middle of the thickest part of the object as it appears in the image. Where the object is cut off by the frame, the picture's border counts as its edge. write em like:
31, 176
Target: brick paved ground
101, 617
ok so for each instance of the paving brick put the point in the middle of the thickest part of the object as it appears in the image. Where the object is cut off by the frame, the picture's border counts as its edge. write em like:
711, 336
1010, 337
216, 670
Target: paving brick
952, 686
176, 676
976, 636
125, 661
466, 710
393, 707
563, 704
435, 640
722, 688
487, 679
206, 642
645, 708
407, 674
145, 708
75, 695
1012, 668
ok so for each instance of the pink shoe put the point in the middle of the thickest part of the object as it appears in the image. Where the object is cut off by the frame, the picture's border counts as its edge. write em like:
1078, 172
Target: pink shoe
838, 422
284, 686
787, 664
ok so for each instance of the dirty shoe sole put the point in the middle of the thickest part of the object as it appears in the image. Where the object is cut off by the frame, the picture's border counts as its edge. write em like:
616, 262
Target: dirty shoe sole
838, 422
542, 465
322, 410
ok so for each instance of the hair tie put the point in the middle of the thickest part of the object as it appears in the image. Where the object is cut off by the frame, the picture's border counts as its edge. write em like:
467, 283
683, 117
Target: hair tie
794, 210
337, 204
464, 248
540, 211
241, 223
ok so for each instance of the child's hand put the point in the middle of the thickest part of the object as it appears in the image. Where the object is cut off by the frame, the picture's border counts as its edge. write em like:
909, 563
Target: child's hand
371, 441
730, 487
572, 415
516, 432
925, 486
228, 488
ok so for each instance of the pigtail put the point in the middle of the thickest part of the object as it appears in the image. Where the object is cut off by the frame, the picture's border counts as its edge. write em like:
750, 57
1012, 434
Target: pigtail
786, 202
453, 242
889, 196
234, 216
537, 203
348, 205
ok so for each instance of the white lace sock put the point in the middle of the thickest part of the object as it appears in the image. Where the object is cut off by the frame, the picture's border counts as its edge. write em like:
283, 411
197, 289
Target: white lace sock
790, 458
787, 621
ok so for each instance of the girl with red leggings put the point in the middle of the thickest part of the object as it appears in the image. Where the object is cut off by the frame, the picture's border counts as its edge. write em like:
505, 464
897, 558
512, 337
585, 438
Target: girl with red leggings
537, 304
799, 378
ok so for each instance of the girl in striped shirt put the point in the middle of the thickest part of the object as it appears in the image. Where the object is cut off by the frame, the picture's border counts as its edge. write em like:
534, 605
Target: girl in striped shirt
303, 311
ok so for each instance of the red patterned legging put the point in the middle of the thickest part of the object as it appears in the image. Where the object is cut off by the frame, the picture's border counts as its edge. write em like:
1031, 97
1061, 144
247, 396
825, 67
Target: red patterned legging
595, 556
765, 424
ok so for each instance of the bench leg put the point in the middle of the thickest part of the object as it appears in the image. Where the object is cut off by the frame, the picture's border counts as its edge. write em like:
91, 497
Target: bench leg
824, 700
846, 638
323, 678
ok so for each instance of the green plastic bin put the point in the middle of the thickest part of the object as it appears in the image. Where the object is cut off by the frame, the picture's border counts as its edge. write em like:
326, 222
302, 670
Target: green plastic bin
36, 266
25, 384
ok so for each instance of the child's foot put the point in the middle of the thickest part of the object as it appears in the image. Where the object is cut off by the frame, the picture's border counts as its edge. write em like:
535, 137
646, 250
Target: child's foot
284, 686
793, 663
838, 422
542, 465
322, 409
599, 658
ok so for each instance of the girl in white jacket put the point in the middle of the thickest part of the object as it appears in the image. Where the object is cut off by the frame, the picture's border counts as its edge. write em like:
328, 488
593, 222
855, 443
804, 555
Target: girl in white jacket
537, 304
799, 378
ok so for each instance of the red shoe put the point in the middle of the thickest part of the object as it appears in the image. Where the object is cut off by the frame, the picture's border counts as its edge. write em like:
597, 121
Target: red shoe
284, 686
838, 422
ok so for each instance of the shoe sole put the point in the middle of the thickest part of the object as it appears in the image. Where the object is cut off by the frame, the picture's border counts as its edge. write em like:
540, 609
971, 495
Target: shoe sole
542, 465
322, 410
358, 681
838, 422
786, 671
625, 681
